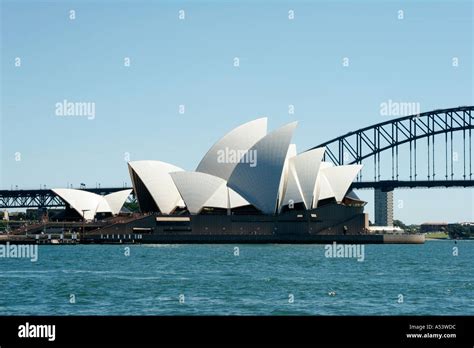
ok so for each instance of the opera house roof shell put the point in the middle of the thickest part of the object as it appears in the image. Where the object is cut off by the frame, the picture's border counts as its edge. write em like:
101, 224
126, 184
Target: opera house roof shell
88, 204
246, 167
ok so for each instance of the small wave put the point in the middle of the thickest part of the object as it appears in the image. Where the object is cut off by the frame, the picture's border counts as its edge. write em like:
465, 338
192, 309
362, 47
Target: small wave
94, 272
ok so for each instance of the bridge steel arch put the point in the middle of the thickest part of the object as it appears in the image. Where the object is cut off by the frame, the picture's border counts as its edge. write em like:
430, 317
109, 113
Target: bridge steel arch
371, 141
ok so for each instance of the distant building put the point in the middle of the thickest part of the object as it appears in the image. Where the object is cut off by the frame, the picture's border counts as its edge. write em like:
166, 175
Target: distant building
385, 229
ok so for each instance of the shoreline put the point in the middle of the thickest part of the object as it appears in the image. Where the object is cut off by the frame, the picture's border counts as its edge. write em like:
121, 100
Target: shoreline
219, 239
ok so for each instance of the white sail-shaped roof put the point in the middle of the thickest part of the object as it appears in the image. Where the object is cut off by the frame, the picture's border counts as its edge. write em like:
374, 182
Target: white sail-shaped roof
225, 197
323, 189
293, 192
236, 200
325, 165
284, 178
103, 206
197, 189
219, 198
340, 178
84, 202
115, 200
157, 180
259, 184
307, 166
87, 204
223, 156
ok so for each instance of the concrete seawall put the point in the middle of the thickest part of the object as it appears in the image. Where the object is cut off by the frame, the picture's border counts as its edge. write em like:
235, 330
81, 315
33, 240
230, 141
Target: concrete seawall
403, 238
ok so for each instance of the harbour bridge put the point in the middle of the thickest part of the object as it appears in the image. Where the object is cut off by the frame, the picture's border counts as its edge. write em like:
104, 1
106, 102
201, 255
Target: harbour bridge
431, 149
427, 150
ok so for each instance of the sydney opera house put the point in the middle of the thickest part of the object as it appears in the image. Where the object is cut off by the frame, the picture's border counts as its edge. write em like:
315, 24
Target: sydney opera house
251, 186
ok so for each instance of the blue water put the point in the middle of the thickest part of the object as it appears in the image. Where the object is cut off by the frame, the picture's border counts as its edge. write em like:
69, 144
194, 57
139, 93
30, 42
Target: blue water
213, 281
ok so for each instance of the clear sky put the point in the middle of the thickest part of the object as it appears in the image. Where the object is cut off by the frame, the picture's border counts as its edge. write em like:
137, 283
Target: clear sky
190, 62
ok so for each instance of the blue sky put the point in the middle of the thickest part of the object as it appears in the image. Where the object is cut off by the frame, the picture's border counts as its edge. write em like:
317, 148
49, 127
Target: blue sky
191, 62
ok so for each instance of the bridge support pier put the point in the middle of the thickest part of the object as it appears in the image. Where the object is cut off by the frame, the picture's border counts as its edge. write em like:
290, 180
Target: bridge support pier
383, 208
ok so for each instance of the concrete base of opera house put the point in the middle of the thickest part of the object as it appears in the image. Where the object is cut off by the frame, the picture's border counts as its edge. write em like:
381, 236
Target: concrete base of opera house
326, 224
219, 239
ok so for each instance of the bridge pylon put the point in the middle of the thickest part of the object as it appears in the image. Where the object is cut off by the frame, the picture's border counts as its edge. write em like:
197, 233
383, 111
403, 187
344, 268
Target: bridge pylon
383, 208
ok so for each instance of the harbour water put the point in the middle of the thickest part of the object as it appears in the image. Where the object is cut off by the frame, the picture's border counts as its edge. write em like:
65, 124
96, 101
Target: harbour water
422, 279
